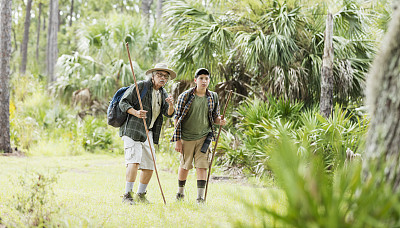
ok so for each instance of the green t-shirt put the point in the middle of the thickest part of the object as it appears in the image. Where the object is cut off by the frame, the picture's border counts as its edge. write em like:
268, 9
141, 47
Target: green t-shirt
196, 124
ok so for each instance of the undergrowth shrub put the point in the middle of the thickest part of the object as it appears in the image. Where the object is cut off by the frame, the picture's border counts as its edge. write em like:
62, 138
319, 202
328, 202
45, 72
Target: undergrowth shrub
40, 124
33, 203
248, 144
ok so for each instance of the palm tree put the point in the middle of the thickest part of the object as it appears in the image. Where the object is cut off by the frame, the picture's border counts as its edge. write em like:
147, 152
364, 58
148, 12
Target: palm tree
276, 47
101, 64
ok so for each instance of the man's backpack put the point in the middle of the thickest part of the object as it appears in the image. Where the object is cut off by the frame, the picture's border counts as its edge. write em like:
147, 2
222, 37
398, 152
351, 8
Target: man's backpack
115, 117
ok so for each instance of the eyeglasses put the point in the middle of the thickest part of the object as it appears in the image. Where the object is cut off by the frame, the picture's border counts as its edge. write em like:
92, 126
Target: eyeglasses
162, 74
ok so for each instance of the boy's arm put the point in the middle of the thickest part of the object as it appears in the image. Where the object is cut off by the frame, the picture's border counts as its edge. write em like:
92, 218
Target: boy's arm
216, 115
178, 143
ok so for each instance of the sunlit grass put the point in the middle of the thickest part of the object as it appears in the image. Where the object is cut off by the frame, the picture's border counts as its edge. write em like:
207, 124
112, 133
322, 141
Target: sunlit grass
89, 189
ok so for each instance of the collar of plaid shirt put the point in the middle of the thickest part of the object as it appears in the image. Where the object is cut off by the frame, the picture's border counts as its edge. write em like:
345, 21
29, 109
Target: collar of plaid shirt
183, 106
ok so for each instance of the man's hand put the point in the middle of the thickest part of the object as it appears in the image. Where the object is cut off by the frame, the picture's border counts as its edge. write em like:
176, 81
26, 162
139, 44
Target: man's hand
178, 146
170, 100
140, 114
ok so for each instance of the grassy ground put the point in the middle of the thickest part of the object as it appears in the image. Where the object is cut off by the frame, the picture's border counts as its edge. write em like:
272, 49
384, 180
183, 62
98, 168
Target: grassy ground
88, 191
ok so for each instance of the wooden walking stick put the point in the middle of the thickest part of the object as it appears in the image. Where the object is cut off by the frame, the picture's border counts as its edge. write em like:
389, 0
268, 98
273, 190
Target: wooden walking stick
144, 122
216, 143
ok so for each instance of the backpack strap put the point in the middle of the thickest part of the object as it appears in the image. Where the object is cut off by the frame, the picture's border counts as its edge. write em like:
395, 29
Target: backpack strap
144, 91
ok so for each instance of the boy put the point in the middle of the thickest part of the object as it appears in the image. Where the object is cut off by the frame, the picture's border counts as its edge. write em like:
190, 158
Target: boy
196, 112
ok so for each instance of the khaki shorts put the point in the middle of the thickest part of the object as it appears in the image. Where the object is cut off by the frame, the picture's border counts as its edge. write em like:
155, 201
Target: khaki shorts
139, 152
191, 151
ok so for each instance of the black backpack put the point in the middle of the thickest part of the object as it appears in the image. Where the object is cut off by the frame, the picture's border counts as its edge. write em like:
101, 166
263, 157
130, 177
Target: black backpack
115, 117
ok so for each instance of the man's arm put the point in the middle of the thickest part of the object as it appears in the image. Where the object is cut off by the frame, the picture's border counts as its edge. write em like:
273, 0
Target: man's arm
170, 101
125, 104
137, 113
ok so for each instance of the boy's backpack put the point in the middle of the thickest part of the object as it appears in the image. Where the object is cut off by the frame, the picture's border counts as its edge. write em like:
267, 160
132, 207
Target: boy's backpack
115, 117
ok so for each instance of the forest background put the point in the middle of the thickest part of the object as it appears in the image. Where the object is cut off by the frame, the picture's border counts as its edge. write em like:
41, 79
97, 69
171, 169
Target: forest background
68, 58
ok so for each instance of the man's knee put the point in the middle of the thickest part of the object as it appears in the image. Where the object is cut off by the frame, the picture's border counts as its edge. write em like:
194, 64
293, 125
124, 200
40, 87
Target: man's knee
132, 165
147, 170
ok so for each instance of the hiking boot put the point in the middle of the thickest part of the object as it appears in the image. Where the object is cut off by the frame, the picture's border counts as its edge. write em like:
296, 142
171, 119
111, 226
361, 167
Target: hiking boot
141, 198
127, 198
200, 200
180, 196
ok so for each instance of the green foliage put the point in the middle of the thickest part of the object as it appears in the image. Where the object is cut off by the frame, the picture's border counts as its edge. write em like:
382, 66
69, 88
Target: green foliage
199, 38
41, 125
316, 198
275, 46
101, 61
96, 136
261, 125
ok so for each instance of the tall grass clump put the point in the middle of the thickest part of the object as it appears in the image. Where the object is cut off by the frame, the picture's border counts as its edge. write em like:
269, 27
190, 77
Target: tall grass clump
317, 198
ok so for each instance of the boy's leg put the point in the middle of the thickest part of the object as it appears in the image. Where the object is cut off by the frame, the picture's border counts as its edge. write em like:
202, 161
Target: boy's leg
201, 182
201, 163
182, 176
186, 160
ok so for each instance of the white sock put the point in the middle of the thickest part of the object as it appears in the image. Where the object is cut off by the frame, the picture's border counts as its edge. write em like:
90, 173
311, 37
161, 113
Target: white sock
201, 184
181, 186
181, 190
200, 192
129, 186
142, 188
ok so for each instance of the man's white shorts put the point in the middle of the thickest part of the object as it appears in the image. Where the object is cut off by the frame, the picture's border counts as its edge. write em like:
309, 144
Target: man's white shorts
139, 152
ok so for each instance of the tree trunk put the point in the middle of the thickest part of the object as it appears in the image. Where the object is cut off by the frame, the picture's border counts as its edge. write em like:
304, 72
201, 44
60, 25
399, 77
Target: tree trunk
38, 32
52, 51
44, 23
71, 12
5, 50
24, 46
146, 5
15, 40
59, 20
159, 12
383, 101
326, 100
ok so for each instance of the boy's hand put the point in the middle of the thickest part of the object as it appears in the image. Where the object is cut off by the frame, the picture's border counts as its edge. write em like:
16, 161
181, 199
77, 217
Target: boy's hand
178, 146
220, 121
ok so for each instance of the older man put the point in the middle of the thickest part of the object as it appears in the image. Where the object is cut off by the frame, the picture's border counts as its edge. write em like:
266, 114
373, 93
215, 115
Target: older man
156, 103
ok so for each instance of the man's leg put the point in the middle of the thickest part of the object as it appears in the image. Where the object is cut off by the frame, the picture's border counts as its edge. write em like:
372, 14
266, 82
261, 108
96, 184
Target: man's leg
131, 172
201, 182
145, 177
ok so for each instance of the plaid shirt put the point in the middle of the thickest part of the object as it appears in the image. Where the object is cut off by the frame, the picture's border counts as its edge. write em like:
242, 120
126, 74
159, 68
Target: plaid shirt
133, 127
185, 101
